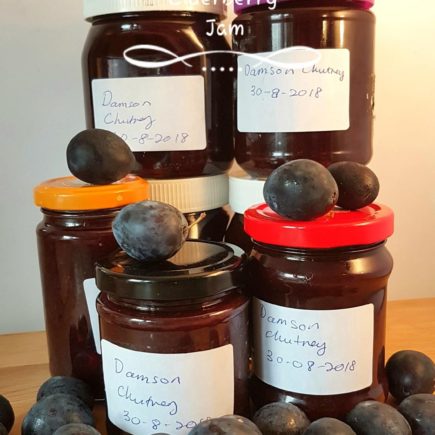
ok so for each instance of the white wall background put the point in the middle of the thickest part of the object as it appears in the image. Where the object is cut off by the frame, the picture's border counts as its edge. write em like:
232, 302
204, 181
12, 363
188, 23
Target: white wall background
41, 108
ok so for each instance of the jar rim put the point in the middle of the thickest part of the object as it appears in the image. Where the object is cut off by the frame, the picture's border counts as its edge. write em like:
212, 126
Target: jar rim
200, 269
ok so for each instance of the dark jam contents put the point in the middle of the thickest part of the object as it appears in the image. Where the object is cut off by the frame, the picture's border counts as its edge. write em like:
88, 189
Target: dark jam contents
75, 232
186, 329
175, 307
69, 244
341, 24
324, 280
182, 33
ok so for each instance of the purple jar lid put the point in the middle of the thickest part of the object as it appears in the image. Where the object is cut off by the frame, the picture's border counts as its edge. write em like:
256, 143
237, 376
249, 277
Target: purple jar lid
241, 5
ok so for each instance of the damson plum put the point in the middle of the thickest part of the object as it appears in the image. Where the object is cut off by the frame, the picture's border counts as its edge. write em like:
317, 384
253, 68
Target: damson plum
55, 411
329, 426
150, 230
281, 418
374, 418
301, 190
419, 410
67, 385
99, 157
227, 425
358, 185
410, 372
76, 429
7, 416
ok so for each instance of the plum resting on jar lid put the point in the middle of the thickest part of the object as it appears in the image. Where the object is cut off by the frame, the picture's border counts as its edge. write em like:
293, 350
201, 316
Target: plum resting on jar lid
304, 189
150, 230
99, 156
301, 190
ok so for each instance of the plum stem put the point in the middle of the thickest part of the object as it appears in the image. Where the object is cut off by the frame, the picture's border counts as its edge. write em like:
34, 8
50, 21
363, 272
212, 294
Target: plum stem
200, 218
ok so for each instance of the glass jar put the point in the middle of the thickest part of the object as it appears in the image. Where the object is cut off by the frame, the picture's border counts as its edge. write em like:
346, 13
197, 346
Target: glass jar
170, 332
319, 307
244, 192
200, 199
323, 111
76, 231
175, 116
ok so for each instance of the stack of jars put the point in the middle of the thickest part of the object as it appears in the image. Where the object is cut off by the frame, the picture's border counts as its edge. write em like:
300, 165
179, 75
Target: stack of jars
318, 287
162, 328
174, 335
174, 117
317, 103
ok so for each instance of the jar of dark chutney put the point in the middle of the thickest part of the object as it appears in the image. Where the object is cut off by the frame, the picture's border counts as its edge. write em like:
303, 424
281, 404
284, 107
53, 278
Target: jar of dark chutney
319, 306
170, 332
75, 232
323, 111
202, 200
176, 116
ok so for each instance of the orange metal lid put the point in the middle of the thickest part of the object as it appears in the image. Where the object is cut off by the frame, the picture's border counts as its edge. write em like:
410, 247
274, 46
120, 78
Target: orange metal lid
69, 193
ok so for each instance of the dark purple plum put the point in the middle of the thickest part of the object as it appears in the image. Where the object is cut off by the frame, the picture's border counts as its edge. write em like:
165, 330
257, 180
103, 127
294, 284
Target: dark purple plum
7, 416
281, 418
150, 230
375, 418
419, 410
410, 372
329, 426
76, 429
67, 385
301, 190
358, 185
99, 157
3, 430
54, 411
227, 425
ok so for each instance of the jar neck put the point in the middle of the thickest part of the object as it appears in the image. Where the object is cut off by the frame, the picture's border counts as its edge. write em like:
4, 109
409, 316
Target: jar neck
303, 252
86, 219
171, 307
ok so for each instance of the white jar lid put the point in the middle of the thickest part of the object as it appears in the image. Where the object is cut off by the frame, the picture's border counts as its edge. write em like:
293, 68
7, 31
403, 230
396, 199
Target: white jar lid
191, 195
245, 191
94, 8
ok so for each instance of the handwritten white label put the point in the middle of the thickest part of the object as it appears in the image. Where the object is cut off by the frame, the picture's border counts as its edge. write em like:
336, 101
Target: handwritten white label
91, 293
275, 99
148, 393
321, 352
153, 113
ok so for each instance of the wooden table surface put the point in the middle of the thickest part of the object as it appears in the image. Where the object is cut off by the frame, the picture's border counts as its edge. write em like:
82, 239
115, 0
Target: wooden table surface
24, 360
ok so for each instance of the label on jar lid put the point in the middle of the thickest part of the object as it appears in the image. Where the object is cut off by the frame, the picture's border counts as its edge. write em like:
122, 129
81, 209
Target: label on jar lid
273, 98
169, 393
152, 113
318, 352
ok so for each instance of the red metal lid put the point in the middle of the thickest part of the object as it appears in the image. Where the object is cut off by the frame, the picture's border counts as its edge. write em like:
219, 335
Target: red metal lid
366, 226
